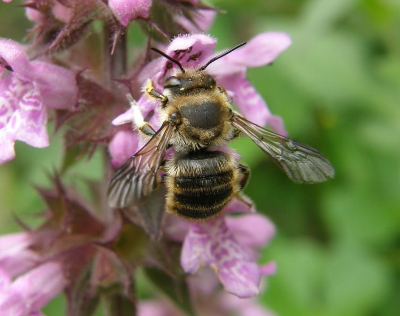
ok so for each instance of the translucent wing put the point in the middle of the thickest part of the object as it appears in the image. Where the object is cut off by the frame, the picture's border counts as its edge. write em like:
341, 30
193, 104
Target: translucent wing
137, 177
301, 163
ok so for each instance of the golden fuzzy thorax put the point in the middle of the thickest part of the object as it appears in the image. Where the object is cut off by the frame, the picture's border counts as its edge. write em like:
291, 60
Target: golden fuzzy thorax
198, 100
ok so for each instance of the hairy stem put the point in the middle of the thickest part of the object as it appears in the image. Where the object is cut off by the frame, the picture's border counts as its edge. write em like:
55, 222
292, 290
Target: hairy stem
115, 54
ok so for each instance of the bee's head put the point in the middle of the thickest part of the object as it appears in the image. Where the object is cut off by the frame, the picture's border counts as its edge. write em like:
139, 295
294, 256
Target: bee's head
190, 80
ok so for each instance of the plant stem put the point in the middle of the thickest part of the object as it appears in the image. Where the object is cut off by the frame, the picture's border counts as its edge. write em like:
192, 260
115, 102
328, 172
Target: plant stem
114, 52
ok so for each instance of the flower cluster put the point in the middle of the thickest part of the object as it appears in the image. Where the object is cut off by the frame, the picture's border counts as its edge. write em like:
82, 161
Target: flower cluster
86, 249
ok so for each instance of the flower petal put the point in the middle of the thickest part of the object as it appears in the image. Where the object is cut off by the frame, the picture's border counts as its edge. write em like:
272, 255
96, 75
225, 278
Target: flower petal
30, 292
7, 152
128, 10
40, 285
269, 268
14, 243
29, 122
22, 116
124, 118
260, 50
196, 249
242, 205
213, 244
253, 230
13, 53
15, 258
123, 145
57, 85
191, 50
240, 277
202, 21
175, 228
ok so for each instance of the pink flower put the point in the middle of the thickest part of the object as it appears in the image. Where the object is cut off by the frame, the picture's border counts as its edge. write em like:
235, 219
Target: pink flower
27, 89
15, 255
27, 294
128, 10
219, 244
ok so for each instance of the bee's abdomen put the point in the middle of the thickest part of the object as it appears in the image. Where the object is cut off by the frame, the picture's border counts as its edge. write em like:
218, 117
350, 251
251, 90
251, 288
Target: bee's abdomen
200, 185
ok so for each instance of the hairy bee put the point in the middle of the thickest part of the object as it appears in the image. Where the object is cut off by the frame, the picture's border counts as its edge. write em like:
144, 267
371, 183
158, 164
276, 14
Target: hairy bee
201, 179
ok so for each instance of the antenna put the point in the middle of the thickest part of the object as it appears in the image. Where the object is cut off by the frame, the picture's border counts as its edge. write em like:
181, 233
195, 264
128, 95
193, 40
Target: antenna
220, 56
169, 58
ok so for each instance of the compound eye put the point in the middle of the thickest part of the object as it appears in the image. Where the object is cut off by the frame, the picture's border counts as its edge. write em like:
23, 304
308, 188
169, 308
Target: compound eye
172, 82
212, 82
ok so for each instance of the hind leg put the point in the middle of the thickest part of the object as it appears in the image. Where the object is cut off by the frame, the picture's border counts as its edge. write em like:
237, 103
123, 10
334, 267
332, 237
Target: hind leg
243, 179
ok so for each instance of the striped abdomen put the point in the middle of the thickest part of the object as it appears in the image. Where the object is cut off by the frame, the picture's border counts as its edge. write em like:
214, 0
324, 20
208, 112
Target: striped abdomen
200, 183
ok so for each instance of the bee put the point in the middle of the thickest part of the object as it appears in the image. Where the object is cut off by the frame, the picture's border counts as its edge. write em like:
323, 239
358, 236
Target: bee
200, 177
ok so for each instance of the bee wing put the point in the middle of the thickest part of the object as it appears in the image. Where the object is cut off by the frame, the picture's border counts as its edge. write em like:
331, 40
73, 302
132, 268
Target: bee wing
301, 163
137, 177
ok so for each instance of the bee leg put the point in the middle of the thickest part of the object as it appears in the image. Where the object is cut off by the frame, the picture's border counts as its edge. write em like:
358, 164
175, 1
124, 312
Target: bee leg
234, 135
154, 93
243, 198
138, 119
244, 175
147, 129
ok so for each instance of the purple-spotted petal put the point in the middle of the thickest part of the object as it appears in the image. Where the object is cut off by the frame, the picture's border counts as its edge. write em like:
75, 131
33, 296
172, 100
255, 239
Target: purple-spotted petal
57, 85
22, 116
128, 10
191, 50
213, 244
24, 95
240, 277
196, 250
28, 124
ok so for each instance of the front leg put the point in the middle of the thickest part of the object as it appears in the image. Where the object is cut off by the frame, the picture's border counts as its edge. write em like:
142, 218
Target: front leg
149, 89
138, 120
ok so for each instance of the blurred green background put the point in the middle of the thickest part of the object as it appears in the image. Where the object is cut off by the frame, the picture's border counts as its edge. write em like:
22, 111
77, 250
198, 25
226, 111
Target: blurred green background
338, 89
